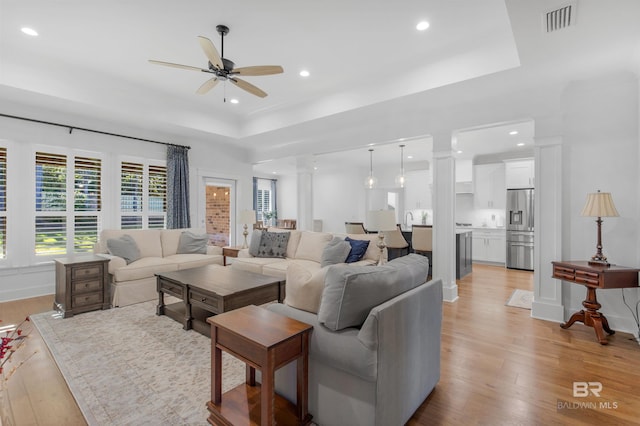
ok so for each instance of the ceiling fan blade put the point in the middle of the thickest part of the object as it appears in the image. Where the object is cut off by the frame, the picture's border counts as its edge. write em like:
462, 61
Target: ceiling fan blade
207, 85
248, 87
211, 51
170, 64
259, 70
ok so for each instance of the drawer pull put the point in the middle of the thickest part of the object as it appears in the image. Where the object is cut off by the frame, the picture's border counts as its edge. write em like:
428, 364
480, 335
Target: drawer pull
204, 299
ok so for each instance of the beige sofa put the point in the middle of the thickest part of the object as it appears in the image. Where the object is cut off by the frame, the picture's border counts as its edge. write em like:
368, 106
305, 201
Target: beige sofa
304, 248
136, 282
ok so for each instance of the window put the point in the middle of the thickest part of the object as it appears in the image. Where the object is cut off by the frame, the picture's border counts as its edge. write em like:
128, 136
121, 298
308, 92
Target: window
51, 204
64, 225
3, 203
264, 194
87, 203
143, 195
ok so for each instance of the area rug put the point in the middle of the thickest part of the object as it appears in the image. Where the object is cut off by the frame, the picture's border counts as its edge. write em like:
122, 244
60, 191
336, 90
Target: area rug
128, 366
520, 299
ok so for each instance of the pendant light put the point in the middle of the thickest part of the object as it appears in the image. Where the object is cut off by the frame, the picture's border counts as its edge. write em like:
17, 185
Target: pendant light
371, 180
400, 179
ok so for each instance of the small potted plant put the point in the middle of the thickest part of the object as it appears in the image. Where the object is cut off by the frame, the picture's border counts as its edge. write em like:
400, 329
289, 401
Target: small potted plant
270, 217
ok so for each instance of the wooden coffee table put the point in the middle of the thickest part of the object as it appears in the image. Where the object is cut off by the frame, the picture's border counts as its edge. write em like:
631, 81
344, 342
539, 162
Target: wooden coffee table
211, 290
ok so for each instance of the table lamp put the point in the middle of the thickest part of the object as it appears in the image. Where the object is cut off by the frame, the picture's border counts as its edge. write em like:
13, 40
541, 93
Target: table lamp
599, 204
248, 217
381, 221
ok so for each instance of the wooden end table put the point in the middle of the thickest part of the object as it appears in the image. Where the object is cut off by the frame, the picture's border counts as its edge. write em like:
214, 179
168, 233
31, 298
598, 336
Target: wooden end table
594, 277
266, 341
229, 251
82, 284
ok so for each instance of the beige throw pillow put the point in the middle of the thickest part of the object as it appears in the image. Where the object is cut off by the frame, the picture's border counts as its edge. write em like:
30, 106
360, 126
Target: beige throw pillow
304, 289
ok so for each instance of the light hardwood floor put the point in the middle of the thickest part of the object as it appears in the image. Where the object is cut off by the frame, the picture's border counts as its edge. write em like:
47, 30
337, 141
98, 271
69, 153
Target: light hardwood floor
499, 366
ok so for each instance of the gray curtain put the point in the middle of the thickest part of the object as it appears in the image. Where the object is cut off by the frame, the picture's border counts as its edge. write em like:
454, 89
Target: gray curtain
178, 187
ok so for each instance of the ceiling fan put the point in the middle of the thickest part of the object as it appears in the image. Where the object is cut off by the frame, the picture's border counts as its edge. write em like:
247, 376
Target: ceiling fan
224, 69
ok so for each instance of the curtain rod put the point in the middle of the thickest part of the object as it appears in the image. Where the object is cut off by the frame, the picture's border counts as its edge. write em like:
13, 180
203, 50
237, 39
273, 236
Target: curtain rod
72, 128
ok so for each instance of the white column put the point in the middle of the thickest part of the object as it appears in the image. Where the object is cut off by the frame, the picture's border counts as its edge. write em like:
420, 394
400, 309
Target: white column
304, 180
444, 230
547, 294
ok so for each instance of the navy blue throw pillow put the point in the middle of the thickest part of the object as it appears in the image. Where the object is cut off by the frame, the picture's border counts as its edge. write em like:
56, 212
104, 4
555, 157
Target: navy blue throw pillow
358, 249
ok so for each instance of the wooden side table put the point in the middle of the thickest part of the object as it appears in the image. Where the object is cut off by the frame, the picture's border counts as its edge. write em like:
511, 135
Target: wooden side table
265, 341
229, 251
594, 277
82, 284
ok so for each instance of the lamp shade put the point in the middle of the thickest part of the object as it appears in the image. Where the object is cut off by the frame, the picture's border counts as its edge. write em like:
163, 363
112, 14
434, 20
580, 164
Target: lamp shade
381, 220
599, 204
247, 217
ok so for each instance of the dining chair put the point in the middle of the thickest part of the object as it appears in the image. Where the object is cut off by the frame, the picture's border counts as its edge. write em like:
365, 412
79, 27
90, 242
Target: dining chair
397, 245
422, 241
355, 227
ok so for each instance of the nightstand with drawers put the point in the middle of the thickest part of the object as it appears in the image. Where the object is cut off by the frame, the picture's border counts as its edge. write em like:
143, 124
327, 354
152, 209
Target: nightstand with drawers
82, 284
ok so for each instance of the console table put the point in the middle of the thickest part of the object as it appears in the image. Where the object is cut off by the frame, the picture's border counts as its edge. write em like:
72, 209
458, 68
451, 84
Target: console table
594, 277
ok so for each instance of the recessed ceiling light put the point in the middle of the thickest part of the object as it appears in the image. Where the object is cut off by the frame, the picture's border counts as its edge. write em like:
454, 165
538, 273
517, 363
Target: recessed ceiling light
422, 26
29, 31
409, 157
234, 101
275, 173
521, 144
459, 152
513, 132
304, 73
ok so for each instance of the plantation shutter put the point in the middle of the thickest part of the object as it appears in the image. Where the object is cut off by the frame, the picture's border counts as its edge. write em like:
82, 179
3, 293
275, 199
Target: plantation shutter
87, 202
51, 198
131, 195
157, 196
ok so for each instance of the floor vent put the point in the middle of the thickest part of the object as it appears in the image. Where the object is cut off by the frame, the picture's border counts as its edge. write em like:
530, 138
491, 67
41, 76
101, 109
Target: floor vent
560, 18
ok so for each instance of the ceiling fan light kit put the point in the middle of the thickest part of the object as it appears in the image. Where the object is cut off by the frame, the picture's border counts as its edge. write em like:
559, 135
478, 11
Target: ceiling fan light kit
224, 69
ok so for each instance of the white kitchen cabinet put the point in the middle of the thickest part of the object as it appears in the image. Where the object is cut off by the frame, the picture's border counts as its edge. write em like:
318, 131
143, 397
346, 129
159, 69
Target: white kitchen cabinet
520, 174
489, 245
464, 177
490, 187
417, 190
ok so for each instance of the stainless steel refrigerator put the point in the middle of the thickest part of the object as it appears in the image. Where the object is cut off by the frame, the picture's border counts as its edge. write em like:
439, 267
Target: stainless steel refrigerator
520, 229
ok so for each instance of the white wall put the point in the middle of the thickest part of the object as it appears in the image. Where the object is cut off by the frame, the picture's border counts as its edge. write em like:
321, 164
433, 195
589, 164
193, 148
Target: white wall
20, 275
601, 152
287, 197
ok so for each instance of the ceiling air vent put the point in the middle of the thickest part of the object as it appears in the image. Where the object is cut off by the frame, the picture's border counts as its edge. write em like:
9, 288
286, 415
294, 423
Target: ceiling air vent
560, 18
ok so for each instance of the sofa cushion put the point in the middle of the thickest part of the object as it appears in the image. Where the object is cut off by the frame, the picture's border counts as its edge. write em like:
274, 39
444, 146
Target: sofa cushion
273, 244
124, 247
338, 349
254, 244
145, 267
294, 240
279, 269
351, 291
336, 251
191, 243
194, 260
147, 240
373, 252
357, 249
311, 245
255, 264
304, 287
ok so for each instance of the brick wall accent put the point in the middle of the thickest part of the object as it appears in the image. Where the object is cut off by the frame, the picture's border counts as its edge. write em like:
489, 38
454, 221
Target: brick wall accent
218, 219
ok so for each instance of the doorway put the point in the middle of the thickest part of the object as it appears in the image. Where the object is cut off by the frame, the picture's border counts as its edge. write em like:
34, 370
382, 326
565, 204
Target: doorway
219, 210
